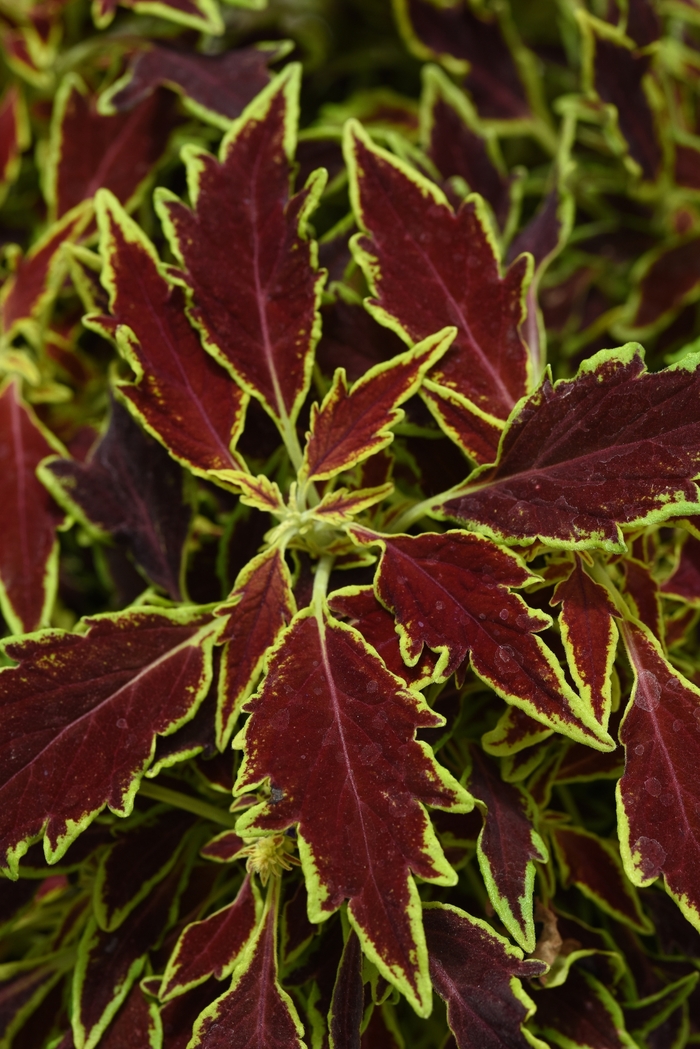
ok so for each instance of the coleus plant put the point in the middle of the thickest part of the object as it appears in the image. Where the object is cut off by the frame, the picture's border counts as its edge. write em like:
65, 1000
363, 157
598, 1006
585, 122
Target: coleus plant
350, 691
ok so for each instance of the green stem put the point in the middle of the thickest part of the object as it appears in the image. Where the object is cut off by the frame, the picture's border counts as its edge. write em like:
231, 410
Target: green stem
185, 801
323, 572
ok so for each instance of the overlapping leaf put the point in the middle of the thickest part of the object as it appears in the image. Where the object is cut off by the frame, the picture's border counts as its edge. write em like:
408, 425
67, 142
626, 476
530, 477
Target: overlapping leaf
478, 974
89, 151
582, 1012
197, 14
507, 847
260, 606
351, 425
451, 593
14, 136
347, 1005
349, 728
181, 395
590, 637
583, 458
248, 261
29, 517
216, 88
428, 266
129, 488
80, 715
658, 796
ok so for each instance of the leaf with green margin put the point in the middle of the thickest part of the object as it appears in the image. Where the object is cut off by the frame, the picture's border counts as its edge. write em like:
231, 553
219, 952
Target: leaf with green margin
249, 265
648, 1013
665, 280
507, 847
136, 1025
259, 608
582, 1014
15, 136
109, 963
477, 433
349, 726
593, 865
28, 523
581, 458
88, 151
347, 1005
451, 593
216, 88
138, 860
588, 632
29, 291
478, 974
658, 797
223, 848
351, 425
131, 489
255, 1010
642, 593
142, 673
514, 731
180, 394
684, 582
203, 15
213, 946
21, 996
427, 266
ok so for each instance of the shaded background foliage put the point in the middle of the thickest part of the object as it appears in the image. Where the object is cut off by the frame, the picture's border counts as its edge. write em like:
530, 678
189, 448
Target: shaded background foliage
579, 125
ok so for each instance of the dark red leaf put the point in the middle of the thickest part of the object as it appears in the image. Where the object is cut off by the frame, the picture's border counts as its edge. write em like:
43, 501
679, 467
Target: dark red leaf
451, 593
324, 691
456, 145
109, 963
507, 847
90, 151
28, 547
131, 489
27, 294
22, 995
216, 88
581, 765
615, 446
643, 24
255, 1011
514, 731
363, 611
347, 1005
211, 947
196, 736
659, 798
258, 609
248, 261
351, 425
493, 78
684, 583
181, 395
352, 339
643, 590
593, 865
179, 1016
137, 861
618, 75
135, 1026
197, 14
476, 433
668, 278
478, 974
581, 1012
590, 637
428, 266
14, 136
80, 715
223, 848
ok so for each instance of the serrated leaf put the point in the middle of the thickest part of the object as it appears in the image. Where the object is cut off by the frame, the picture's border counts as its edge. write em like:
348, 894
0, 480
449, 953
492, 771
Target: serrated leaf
658, 795
223, 848
643, 595
109, 963
349, 728
259, 608
476, 433
216, 88
507, 848
582, 458
427, 266
196, 14
80, 716
180, 394
593, 865
514, 731
255, 1010
451, 593
211, 947
246, 255
589, 634
582, 1014
347, 1004
138, 860
363, 611
28, 547
131, 489
88, 151
478, 974
29, 291
351, 338
351, 425
338, 506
